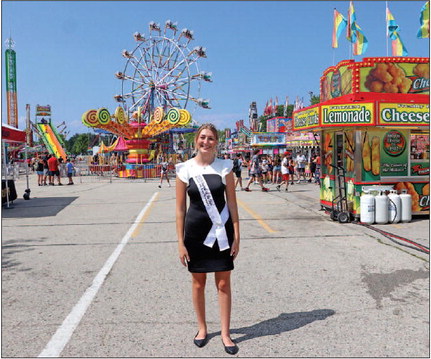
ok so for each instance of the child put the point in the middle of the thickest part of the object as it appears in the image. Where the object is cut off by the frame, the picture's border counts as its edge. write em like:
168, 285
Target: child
69, 169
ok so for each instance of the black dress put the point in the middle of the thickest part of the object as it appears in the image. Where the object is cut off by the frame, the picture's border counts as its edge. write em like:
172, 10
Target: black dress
204, 259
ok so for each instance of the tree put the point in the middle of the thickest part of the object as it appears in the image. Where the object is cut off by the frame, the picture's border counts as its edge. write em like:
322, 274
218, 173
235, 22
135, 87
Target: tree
79, 143
314, 100
289, 111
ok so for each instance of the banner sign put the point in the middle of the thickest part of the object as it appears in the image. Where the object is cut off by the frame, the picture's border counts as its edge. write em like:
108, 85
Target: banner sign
279, 124
43, 110
403, 114
268, 139
309, 118
395, 77
348, 115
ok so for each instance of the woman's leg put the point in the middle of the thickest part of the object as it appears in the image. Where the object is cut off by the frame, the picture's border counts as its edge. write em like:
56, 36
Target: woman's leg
222, 280
198, 293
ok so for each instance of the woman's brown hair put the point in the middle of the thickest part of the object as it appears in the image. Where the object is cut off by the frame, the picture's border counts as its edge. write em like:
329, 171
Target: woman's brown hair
206, 126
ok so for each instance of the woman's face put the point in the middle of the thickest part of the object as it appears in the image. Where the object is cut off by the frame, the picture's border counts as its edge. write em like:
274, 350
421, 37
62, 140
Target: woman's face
206, 142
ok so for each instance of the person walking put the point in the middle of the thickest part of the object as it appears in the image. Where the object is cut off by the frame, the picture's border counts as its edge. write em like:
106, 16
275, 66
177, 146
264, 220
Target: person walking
301, 162
69, 170
276, 171
264, 168
208, 232
237, 170
270, 168
313, 169
317, 173
164, 171
284, 172
291, 168
45, 168
255, 172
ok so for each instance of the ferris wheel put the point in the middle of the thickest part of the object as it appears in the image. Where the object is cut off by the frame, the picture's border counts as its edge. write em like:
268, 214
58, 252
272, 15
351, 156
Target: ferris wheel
162, 71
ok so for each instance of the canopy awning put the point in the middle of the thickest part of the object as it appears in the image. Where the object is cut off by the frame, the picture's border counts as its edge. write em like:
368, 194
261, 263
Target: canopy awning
121, 145
12, 134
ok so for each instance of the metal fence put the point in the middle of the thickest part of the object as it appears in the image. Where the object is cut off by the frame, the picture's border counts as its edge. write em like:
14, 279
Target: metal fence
15, 170
88, 172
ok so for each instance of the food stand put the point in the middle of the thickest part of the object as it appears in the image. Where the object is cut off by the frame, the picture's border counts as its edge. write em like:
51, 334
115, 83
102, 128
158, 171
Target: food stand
373, 120
271, 143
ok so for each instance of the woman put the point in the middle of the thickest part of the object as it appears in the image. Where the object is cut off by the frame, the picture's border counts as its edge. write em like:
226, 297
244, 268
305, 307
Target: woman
237, 170
255, 172
203, 245
270, 168
276, 173
164, 171
39, 171
291, 167
284, 172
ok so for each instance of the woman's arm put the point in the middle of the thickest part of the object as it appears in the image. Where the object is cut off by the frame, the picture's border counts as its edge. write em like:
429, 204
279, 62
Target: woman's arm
233, 210
180, 217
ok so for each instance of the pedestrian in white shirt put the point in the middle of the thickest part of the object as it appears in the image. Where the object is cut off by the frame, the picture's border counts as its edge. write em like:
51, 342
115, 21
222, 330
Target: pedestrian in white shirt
301, 162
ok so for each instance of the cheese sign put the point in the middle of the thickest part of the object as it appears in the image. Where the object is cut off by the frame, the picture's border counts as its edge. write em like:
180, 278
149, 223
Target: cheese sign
402, 114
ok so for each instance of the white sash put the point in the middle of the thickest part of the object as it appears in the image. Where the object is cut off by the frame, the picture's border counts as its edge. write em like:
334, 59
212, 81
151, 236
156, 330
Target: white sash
217, 231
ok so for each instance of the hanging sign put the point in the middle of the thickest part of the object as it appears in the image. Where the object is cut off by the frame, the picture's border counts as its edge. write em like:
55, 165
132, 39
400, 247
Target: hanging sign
403, 114
268, 139
361, 114
306, 119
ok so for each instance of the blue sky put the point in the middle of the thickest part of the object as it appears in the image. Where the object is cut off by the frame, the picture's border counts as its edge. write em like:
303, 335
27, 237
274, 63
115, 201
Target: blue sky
68, 51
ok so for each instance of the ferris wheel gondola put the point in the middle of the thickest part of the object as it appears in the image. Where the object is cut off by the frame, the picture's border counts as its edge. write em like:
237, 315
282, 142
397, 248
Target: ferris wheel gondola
162, 71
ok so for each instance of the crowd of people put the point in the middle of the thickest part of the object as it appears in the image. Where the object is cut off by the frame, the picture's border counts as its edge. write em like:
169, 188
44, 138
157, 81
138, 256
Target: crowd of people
49, 168
280, 170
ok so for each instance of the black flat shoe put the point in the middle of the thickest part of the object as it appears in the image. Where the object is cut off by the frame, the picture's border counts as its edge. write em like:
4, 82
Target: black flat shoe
200, 343
232, 350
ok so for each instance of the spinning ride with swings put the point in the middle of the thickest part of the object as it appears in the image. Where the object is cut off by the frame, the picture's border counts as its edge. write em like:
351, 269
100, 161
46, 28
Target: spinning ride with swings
160, 79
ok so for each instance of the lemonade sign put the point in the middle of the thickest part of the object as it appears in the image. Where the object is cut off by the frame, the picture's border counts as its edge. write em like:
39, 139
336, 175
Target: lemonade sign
351, 114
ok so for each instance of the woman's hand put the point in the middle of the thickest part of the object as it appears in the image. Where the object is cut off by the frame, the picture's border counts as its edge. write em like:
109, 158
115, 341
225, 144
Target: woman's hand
235, 249
184, 255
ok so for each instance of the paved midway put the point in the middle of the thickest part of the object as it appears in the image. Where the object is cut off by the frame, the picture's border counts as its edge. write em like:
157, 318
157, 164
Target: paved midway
91, 270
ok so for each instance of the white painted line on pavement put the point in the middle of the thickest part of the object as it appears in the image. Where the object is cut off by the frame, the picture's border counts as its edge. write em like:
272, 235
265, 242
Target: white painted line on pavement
65, 331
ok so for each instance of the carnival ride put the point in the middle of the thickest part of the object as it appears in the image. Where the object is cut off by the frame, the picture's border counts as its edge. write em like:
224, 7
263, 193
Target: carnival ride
160, 79
50, 137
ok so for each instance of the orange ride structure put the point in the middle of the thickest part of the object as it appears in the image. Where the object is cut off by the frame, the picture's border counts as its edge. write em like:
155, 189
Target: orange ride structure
160, 79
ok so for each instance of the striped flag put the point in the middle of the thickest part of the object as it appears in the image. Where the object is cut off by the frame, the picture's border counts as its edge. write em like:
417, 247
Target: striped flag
285, 106
398, 48
340, 24
355, 33
361, 43
424, 30
351, 19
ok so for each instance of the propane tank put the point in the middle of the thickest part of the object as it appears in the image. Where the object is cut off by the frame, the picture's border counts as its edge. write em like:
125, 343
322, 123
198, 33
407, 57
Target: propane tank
367, 208
382, 201
406, 206
394, 207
